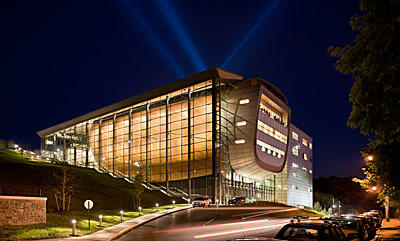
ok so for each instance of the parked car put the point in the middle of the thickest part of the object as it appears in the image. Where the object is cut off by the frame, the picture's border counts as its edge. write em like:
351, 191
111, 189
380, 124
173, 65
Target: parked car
237, 201
352, 226
368, 222
202, 201
310, 230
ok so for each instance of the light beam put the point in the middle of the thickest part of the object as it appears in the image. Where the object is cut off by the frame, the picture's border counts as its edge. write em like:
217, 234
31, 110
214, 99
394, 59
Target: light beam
251, 32
137, 19
183, 37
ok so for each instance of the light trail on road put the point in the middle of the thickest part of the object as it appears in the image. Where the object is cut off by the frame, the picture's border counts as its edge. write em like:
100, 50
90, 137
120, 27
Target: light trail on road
211, 226
209, 235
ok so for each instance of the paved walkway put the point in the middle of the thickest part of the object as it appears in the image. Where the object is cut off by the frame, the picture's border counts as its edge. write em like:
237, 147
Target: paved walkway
118, 230
389, 230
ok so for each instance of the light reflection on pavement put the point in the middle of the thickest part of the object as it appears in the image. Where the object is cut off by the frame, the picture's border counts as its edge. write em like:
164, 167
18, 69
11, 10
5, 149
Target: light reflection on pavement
210, 224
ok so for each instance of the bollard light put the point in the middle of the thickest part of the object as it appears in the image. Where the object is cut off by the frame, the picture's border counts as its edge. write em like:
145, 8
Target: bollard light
73, 227
140, 211
122, 214
101, 220
173, 203
156, 206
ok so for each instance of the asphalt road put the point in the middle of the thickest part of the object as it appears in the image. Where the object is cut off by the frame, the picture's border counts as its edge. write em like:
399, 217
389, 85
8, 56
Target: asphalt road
210, 224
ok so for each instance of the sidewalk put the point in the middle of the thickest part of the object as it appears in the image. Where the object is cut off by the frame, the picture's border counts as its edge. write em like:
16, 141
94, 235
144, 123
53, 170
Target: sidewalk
118, 230
389, 230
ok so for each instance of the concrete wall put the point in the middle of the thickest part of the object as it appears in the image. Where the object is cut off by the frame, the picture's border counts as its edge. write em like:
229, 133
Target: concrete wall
16, 210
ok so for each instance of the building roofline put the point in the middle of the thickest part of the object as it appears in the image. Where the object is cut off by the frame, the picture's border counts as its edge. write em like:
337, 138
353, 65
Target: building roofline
176, 85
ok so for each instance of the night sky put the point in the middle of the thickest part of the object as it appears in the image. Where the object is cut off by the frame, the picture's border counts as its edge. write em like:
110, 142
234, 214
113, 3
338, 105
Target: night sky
62, 59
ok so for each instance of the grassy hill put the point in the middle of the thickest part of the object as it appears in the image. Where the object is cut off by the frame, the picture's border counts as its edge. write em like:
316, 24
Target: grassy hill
21, 175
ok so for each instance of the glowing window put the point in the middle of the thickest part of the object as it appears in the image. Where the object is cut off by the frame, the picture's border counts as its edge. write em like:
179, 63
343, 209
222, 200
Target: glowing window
295, 165
295, 151
304, 169
240, 141
244, 101
294, 174
295, 136
310, 171
310, 145
271, 132
241, 123
270, 149
305, 156
304, 141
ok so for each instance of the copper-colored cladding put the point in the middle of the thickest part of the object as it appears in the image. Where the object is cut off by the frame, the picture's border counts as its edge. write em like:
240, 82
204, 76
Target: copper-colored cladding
247, 159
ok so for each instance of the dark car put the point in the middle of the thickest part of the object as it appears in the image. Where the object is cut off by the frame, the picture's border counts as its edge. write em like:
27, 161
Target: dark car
368, 222
312, 231
237, 201
354, 226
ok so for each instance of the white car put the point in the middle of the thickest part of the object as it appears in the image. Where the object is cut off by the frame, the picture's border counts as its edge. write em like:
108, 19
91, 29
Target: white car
201, 201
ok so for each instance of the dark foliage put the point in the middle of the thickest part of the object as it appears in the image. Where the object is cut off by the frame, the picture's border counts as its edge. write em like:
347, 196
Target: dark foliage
351, 195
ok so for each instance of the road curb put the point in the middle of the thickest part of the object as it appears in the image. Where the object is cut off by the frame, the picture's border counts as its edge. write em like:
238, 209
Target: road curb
126, 230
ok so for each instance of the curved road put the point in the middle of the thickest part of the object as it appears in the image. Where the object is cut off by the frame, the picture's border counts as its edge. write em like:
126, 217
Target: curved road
210, 224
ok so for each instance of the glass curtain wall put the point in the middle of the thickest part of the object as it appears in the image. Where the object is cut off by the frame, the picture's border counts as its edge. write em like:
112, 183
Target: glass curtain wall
169, 139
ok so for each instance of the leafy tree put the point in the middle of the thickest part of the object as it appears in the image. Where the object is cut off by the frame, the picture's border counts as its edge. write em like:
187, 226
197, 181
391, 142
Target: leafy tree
317, 206
373, 61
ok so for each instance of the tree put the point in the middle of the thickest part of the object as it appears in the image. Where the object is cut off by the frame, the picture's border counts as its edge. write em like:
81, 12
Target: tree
63, 189
317, 206
137, 189
373, 61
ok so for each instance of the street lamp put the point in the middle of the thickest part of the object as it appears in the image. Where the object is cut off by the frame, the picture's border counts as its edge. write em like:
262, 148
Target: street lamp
370, 158
73, 227
374, 188
101, 220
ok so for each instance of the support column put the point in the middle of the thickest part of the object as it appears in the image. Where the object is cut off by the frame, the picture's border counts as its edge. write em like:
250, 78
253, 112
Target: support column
130, 144
74, 147
275, 188
100, 154
166, 143
189, 146
64, 148
220, 156
54, 145
87, 145
113, 146
147, 141
214, 140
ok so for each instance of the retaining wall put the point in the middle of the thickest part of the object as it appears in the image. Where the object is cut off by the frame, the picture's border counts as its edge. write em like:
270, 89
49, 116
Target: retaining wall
15, 210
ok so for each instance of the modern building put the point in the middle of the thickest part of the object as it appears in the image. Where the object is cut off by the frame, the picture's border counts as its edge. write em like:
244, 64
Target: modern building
213, 133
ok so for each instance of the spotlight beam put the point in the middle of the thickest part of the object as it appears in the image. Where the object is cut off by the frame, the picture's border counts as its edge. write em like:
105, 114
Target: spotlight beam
183, 37
251, 32
137, 20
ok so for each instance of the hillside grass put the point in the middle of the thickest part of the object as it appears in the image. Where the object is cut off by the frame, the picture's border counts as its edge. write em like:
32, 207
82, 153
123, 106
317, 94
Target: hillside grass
25, 175
60, 226
18, 172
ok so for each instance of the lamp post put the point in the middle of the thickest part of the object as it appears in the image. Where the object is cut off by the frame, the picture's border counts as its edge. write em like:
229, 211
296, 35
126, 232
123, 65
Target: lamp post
173, 203
101, 220
140, 211
73, 227
156, 206
122, 214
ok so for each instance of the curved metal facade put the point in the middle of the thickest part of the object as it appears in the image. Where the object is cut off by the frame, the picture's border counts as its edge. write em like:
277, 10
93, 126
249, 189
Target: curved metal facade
261, 155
